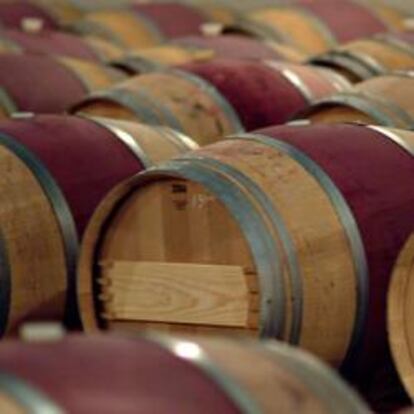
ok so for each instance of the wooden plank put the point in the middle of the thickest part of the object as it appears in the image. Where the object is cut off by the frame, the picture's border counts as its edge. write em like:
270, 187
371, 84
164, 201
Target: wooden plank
178, 293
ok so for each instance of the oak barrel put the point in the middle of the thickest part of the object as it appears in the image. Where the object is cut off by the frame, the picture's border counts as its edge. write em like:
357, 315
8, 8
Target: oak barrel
50, 42
154, 58
383, 100
208, 100
295, 239
173, 98
210, 376
312, 27
365, 58
56, 169
143, 24
267, 93
42, 84
242, 47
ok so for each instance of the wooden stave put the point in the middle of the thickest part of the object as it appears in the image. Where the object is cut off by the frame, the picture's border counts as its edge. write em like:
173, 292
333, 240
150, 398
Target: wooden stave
223, 386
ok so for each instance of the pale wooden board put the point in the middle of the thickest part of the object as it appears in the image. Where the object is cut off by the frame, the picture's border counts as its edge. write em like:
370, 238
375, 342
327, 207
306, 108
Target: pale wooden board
177, 293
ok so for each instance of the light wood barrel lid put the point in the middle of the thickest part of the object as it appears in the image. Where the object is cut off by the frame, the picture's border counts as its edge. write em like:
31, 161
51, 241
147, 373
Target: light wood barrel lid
400, 310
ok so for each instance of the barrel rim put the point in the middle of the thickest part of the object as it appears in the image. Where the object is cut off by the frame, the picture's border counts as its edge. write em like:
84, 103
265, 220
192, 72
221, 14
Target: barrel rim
122, 97
360, 102
360, 68
123, 136
26, 395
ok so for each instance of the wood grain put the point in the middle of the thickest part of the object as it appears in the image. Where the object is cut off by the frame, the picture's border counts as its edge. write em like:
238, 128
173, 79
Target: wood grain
177, 293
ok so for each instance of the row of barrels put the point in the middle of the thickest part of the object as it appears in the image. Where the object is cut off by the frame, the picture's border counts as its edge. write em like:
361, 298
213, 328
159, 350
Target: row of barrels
287, 230
311, 27
305, 234
206, 100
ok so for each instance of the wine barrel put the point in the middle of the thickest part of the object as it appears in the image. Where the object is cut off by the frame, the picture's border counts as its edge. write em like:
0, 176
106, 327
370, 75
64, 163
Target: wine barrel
312, 27
56, 169
242, 47
384, 100
399, 309
254, 89
143, 24
48, 42
173, 98
365, 58
159, 57
13, 14
210, 376
295, 239
42, 84
211, 99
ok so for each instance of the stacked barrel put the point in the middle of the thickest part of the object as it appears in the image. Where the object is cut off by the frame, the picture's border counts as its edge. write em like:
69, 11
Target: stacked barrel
215, 183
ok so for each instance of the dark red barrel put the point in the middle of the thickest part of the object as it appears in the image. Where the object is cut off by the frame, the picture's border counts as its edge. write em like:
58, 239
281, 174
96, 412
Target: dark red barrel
12, 14
167, 375
91, 375
51, 43
171, 19
43, 84
374, 173
262, 94
346, 20
85, 159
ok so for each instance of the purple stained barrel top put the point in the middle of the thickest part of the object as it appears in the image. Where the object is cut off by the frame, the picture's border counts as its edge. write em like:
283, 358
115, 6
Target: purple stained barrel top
39, 84
260, 95
50, 42
375, 175
85, 159
86, 375
171, 19
12, 14
231, 46
347, 20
